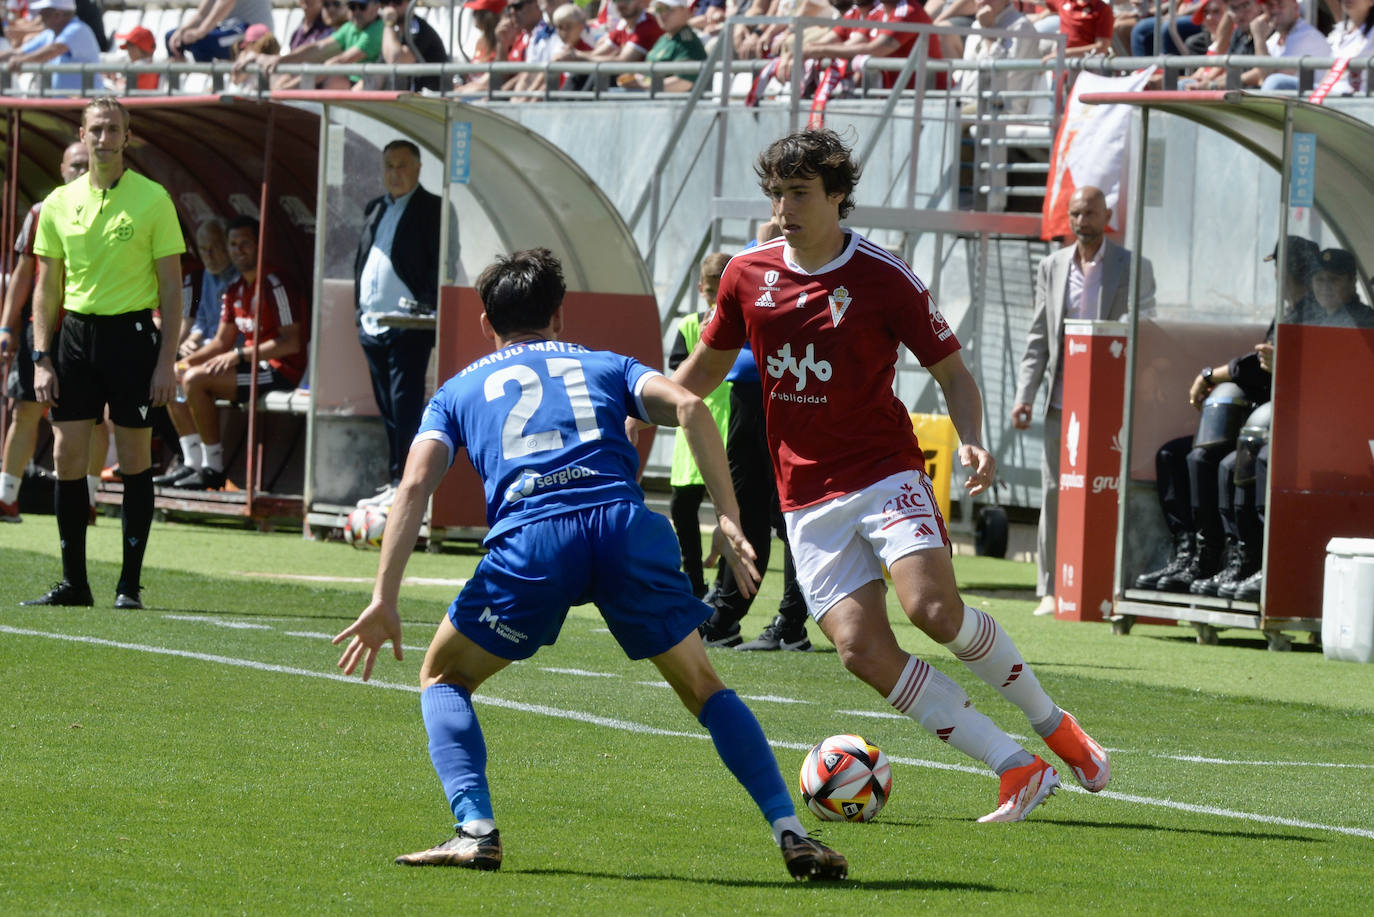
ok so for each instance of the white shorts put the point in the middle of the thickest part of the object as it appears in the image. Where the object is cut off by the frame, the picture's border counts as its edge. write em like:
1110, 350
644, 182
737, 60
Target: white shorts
842, 544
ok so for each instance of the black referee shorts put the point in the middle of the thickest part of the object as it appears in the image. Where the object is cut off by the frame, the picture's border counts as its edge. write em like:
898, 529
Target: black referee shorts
106, 359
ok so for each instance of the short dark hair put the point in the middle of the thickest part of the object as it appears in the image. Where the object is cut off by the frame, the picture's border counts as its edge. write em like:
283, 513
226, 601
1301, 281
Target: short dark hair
812, 154
242, 221
522, 292
402, 145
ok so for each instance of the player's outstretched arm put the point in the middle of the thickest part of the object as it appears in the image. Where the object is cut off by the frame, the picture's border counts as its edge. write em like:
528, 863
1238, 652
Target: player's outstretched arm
965, 405
380, 621
669, 404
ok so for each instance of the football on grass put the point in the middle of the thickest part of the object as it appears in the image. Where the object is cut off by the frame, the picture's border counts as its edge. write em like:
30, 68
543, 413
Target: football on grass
845, 778
364, 527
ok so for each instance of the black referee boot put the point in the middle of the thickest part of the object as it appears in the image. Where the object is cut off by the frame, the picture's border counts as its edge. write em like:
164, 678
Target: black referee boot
65, 594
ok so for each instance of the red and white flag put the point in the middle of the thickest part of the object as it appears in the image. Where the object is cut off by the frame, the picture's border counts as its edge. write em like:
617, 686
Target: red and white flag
1090, 149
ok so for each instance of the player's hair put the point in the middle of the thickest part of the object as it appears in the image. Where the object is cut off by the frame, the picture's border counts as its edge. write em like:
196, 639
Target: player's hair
106, 103
402, 145
713, 265
522, 292
811, 154
243, 221
568, 11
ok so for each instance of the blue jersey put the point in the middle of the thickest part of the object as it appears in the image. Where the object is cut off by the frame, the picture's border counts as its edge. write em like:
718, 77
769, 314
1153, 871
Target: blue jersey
544, 425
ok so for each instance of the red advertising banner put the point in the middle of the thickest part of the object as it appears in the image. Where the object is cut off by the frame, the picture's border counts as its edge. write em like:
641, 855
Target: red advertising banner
1094, 363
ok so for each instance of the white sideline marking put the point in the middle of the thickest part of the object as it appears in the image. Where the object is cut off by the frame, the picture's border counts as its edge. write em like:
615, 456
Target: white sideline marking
321, 578
874, 714
218, 622
1197, 759
642, 729
774, 699
583, 672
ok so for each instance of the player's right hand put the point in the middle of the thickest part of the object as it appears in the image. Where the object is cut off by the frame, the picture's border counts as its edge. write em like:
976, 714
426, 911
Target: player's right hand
44, 385
377, 624
1021, 415
728, 541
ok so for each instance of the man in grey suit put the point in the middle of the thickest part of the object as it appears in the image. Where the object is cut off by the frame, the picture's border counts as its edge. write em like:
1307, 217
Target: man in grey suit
1088, 280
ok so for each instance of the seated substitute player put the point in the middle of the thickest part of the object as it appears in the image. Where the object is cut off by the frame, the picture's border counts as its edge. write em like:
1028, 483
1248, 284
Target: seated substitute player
824, 311
543, 422
222, 370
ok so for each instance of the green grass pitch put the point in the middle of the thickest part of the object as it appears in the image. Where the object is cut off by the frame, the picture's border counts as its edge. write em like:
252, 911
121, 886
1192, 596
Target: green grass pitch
205, 756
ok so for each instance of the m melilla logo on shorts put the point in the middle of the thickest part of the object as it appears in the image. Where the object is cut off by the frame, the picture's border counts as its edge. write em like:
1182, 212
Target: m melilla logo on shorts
124, 230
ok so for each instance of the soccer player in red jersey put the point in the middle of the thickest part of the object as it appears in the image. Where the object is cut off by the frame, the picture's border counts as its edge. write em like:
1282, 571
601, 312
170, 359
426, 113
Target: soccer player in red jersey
825, 311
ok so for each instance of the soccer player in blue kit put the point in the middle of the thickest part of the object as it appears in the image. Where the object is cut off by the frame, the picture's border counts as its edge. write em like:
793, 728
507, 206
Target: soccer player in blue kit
544, 425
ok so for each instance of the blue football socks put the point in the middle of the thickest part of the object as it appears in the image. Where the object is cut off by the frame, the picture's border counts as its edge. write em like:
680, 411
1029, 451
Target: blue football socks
458, 751
741, 744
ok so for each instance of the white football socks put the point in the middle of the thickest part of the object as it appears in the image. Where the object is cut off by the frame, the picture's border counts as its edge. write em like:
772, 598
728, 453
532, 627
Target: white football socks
787, 823
988, 652
933, 699
191, 452
213, 455
9, 487
479, 827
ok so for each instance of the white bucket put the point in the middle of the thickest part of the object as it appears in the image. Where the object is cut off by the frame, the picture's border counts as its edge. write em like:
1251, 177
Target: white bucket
1348, 600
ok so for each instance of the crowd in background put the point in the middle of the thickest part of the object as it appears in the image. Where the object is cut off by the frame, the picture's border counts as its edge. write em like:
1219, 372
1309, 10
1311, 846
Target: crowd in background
545, 32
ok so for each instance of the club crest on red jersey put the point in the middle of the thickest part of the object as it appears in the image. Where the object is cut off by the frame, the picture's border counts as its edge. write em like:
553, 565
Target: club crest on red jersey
839, 304
939, 325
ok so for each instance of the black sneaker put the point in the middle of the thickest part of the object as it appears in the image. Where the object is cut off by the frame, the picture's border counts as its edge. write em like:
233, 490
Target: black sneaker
204, 479
724, 638
808, 858
778, 636
460, 850
65, 594
129, 600
174, 475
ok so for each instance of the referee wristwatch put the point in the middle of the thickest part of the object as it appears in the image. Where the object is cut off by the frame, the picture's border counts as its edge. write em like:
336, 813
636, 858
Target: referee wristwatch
38, 356
1206, 375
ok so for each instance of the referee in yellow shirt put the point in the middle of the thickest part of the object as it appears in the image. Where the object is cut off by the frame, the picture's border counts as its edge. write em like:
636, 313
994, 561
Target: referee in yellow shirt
109, 248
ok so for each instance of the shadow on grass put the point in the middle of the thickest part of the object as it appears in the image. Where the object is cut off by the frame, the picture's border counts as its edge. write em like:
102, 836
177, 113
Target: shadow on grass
851, 883
1240, 834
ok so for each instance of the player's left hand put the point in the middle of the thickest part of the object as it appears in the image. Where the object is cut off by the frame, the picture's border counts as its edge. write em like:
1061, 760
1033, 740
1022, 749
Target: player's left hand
163, 387
983, 465
728, 541
377, 624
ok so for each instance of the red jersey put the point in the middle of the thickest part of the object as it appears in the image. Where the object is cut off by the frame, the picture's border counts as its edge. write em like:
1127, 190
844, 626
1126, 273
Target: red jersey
281, 309
913, 13
519, 48
641, 35
1083, 21
826, 344
852, 15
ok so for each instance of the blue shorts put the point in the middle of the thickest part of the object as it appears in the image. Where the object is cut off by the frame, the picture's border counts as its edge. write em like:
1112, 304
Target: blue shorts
622, 557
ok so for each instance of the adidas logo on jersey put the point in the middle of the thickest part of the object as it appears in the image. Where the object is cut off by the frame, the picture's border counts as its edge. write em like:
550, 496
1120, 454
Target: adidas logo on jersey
765, 301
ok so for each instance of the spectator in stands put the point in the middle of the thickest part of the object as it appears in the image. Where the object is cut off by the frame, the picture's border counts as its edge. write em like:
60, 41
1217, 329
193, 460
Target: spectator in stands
1212, 14
335, 14
677, 43
539, 49
92, 12
1240, 15
315, 25
1280, 31
258, 42
571, 24
200, 325
409, 39
1001, 14
708, 17
223, 370
357, 41
872, 42
65, 39
485, 15
397, 263
139, 44
630, 39
1188, 23
958, 13
215, 27
1352, 37
778, 35
1087, 27
21, 23
506, 32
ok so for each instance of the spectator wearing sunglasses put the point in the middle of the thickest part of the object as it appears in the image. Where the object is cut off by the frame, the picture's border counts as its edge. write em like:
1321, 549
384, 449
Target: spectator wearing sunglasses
359, 40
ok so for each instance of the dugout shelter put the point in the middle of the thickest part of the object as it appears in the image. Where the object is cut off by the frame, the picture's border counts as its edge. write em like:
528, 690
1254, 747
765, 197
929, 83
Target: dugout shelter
305, 164
1320, 481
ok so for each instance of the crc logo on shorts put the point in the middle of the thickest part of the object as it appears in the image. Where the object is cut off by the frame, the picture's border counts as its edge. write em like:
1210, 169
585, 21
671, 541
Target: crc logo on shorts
504, 631
909, 503
124, 231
